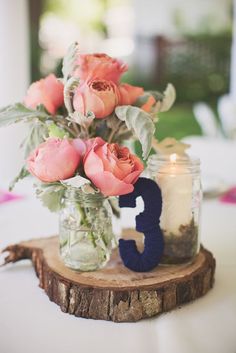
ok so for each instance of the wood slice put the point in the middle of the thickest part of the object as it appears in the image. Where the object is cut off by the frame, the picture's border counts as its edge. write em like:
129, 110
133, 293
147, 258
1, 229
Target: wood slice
114, 292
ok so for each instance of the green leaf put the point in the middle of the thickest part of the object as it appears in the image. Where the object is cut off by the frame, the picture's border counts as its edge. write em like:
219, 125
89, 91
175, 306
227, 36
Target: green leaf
140, 123
69, 62
18, 112
51, 195
22, 174
55, 131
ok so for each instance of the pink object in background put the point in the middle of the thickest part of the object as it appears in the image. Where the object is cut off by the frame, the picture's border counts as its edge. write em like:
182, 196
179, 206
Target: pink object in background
8, 196
230, 196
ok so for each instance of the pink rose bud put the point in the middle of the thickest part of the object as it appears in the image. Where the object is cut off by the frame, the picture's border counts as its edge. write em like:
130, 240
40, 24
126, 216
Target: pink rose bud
129, 94
147, 107
99, 96
112, 169
99, 66
47, 91
54, 160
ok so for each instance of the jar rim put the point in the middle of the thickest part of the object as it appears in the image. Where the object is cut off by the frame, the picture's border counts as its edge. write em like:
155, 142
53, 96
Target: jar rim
80, 195
187, 163
165, 158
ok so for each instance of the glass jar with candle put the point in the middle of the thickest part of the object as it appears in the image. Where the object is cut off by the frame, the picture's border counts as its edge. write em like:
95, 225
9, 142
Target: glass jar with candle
179, 180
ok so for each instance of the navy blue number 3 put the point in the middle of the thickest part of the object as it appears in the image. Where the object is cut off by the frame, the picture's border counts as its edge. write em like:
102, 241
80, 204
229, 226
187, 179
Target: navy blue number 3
147, 222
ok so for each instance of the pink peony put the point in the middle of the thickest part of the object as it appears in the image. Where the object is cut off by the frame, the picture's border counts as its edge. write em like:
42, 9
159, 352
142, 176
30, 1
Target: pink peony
99, 96
99, 66
112, 169
129, 94
47, 91
53, 160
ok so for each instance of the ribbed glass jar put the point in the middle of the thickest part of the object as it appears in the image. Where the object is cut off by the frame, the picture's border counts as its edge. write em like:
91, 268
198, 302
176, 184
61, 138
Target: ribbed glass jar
180, 184
85, 230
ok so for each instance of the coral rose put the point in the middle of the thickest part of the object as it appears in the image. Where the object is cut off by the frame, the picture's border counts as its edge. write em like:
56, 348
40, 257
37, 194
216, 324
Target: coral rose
53, 160
47, 91
112, 169
99, 96
129, 94
99, 66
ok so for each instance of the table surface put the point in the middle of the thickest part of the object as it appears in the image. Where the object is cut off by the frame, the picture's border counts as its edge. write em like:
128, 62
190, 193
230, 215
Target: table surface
29, 322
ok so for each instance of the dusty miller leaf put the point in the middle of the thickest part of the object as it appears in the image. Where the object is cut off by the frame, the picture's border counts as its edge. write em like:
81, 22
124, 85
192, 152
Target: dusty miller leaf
78, 182
81, 119
18, 112
51, 195
37, 134
140, 123
22, 174
169, 98
69, 61
69, 89
113, 122
75, 182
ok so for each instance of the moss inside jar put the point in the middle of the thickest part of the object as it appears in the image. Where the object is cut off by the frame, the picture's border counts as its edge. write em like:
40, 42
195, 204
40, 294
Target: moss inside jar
183, 247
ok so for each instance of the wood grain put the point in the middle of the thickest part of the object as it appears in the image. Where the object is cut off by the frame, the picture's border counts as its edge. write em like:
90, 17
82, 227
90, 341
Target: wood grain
114, 292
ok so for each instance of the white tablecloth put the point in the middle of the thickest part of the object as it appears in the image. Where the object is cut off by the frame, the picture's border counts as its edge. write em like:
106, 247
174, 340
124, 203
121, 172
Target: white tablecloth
30, 323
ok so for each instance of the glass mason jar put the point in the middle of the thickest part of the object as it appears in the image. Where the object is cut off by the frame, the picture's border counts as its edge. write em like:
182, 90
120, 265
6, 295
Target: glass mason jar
179, 180
85, 230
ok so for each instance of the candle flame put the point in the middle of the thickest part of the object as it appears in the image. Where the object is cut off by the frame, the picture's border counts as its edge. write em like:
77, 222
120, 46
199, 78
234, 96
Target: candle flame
173, 157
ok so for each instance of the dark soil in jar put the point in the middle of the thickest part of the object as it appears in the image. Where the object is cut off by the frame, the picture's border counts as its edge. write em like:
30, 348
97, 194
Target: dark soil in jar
181, 248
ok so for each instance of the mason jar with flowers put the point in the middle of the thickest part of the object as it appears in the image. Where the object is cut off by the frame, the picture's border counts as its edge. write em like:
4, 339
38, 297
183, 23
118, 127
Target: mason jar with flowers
77, 125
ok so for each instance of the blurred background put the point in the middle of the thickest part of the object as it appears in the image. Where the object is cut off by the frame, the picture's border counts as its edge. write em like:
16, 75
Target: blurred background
178, 41
184, 42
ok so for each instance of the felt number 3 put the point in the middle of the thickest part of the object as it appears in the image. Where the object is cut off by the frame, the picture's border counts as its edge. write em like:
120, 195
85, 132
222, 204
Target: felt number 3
147, 222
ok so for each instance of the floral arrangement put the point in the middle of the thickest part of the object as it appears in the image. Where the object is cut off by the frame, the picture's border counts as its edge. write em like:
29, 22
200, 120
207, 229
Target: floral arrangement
78, 124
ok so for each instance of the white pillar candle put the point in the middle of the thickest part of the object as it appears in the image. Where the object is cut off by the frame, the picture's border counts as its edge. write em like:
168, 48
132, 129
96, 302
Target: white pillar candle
175, 182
